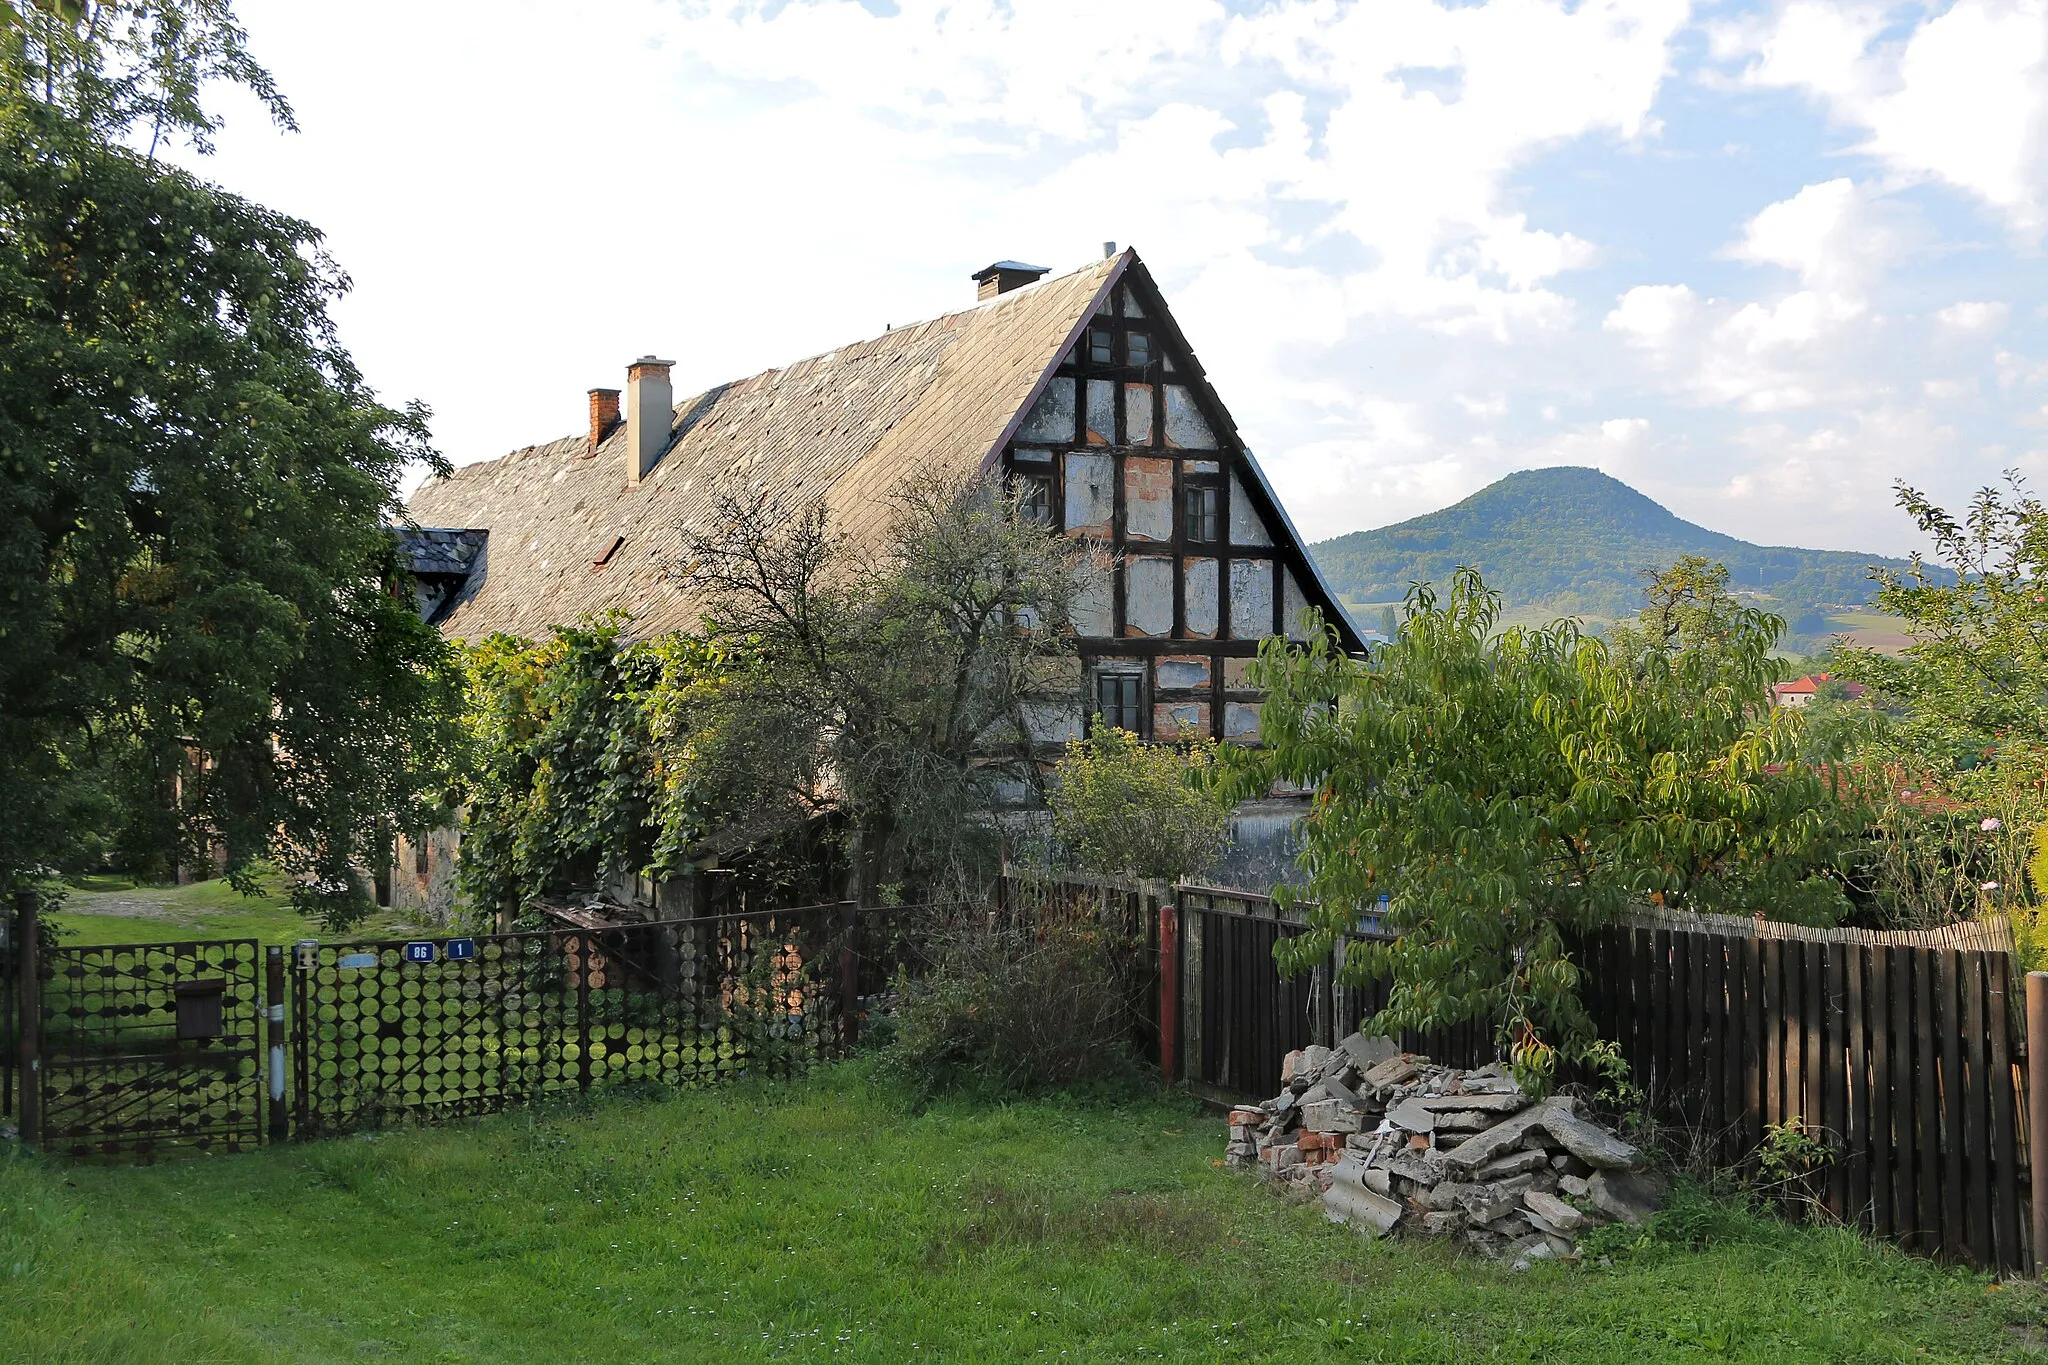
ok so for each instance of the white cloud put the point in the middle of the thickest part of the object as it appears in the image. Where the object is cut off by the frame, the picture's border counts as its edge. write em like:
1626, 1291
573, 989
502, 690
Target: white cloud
1974, 315
1407, 237
1962, 99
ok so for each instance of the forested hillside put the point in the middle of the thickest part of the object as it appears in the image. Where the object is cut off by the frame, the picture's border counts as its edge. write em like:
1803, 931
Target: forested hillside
1577, 542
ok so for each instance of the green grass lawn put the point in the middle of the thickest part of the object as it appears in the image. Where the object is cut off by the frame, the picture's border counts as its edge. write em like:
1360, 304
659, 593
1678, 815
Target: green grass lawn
109, 910
826, 1219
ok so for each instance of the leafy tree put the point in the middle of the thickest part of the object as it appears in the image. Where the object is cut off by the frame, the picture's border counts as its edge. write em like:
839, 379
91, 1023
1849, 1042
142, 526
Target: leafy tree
909, 676
1122, 807
1687, 609
1510, 791
203, 613
1974, 682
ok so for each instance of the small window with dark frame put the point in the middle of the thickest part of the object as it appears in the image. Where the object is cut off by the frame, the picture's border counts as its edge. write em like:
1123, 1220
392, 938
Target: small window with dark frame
1101, 346
1034, 497
1138, 348
1120, 701
1204, 513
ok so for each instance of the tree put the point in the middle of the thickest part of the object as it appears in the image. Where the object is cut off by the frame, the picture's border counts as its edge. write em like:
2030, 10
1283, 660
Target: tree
1511, 791
911, 675
204, 613
1687, 608
1122, 807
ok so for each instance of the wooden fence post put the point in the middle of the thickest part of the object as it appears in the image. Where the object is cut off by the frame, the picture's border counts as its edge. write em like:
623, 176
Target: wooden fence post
28, 997
2037, 1111
273, 999
1169, 990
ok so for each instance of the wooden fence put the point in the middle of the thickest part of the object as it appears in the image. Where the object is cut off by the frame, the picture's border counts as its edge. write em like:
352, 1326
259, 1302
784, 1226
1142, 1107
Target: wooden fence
1905, 1055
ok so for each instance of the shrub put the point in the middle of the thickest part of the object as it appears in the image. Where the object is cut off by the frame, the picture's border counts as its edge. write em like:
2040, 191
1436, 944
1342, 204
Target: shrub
1122, 807
1010, 1005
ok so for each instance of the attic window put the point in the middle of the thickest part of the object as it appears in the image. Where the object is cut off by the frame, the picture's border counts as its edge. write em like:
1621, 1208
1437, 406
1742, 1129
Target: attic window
1099, 346
610, 550
1138, 348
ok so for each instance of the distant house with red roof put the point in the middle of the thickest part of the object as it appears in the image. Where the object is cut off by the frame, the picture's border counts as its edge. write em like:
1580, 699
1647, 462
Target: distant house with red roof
1801, 691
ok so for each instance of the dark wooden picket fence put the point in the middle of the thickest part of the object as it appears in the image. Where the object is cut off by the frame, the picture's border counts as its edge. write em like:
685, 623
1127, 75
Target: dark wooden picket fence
1902, 1055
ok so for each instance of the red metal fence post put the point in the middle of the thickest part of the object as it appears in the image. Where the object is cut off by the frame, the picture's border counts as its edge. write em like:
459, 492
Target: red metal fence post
1169, 990
273, 999
28, 997
2037, 1111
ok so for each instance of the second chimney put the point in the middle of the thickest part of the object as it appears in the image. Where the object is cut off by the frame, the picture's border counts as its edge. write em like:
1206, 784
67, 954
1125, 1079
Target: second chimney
650, 415
604, 415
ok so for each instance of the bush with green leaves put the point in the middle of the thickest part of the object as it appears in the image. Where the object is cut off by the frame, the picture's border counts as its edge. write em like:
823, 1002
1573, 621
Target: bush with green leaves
1010, 1004
1122, 807
1508, 791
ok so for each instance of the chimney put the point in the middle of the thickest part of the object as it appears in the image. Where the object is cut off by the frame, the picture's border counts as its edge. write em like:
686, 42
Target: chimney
604, 415
650, 414
1004, 276
1108, 250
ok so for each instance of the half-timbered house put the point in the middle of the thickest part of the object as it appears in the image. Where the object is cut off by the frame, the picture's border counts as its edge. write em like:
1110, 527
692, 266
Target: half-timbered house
1079, 389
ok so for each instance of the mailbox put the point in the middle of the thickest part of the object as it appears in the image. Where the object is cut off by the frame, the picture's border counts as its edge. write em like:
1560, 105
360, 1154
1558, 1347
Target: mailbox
199, 1014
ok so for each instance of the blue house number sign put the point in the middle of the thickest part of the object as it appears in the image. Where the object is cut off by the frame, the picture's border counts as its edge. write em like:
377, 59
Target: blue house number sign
461, 949
419, 952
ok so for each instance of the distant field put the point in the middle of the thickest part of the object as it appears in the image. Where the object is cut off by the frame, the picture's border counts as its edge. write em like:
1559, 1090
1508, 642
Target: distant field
1872, 630
108, 910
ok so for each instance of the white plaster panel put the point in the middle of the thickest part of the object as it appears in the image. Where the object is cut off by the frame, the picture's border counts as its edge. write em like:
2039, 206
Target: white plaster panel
1138, 414
1101, 412
1148, 498
1052, 722
1241, 720
1185, 426
1293, 603
1095, 601
1180, 720
1091, 493
1052, 416
1245, 526
1148, 595
1200, 597
1251, 599
1182, 674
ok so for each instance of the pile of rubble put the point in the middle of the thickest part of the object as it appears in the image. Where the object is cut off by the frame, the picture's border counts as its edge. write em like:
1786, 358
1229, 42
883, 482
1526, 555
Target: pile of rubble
1387, 1139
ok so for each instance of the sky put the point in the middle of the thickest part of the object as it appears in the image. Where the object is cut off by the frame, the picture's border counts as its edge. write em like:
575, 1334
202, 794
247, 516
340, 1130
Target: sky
1759, 261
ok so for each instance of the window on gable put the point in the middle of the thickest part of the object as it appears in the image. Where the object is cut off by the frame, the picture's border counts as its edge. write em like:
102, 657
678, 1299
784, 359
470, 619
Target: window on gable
1120, 700
1101, 347
1034, 497
1138, 348
1203, 512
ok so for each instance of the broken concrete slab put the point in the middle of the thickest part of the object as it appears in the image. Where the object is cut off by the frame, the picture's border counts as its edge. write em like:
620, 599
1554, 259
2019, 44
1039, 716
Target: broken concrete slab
1348, 1201
1506, 1103
1630, 1197
1334, 1116
1367, 1053
1393, 1071
1477, 1150
1592, 1144
1515, 1163
1556, 1215
1412, 1116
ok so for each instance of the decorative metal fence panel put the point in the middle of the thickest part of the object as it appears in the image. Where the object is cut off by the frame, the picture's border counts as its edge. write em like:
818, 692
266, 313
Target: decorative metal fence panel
440, 1028
149, 1047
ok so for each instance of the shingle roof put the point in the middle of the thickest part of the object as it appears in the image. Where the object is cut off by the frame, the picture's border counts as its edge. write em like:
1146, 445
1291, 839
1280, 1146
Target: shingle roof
850, 425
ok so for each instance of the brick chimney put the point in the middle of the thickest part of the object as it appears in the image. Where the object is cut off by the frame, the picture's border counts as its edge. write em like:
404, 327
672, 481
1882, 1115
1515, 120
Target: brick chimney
604, 415
1004, 276
650, 415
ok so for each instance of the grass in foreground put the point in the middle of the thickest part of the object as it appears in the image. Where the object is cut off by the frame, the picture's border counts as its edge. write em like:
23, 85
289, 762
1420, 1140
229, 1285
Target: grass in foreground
822, 1219
108, 910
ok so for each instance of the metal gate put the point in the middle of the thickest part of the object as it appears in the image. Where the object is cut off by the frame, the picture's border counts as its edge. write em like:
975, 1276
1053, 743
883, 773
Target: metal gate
438, 1028
150, 1046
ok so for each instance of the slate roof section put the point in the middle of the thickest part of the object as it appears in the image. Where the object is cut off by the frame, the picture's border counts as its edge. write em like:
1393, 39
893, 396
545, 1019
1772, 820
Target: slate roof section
851, 425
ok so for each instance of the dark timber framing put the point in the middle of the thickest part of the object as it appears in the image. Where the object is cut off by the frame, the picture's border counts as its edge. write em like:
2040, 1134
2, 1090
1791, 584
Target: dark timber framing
1138, 451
